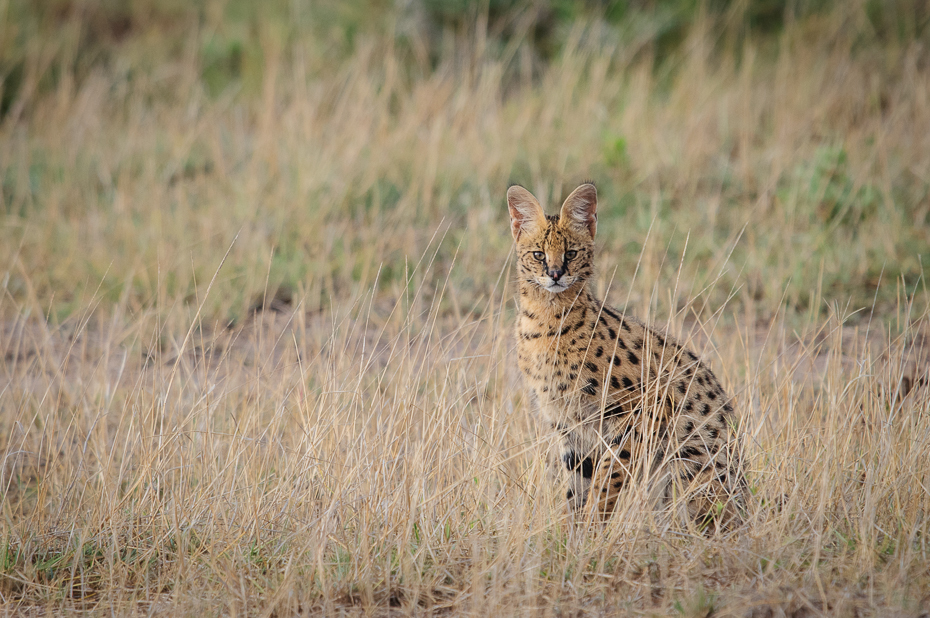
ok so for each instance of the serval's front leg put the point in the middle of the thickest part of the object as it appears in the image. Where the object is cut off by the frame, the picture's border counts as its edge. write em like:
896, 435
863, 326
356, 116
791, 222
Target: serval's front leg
579, 469
613, 472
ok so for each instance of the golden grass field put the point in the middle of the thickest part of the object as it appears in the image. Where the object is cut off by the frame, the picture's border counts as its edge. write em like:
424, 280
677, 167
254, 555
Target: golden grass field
256, 309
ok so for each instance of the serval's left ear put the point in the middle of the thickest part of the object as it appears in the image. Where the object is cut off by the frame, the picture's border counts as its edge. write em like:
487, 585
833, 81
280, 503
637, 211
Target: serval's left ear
580, 209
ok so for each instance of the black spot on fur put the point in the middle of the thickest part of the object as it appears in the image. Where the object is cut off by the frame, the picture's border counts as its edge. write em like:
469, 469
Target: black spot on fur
624, 454
689, 427
614, 382
690, 451
627, 383
705, 410
633, 358
682, 388
563, 331
573, 463
590, 366
591, 387
614, 410
712, 395
599, 352
617, 361
612, 333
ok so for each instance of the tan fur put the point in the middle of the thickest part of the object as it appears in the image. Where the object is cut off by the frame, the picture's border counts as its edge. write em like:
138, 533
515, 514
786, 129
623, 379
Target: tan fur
626, 401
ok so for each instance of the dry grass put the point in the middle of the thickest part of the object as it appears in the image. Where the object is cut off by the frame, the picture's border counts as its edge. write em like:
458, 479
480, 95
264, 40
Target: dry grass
255, 351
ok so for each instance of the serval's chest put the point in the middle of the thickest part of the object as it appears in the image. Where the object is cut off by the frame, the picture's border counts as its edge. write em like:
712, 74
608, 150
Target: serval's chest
551, 351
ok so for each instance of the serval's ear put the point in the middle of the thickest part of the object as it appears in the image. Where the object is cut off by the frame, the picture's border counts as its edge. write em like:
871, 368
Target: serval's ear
525, 211
580, 209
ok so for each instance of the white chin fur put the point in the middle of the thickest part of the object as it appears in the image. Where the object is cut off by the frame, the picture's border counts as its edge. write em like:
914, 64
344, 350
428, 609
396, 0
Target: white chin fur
555, 288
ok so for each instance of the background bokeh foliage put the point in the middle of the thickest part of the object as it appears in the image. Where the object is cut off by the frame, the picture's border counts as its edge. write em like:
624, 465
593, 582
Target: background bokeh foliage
239, 64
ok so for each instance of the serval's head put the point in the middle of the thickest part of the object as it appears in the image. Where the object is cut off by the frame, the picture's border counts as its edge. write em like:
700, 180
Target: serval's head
554, 252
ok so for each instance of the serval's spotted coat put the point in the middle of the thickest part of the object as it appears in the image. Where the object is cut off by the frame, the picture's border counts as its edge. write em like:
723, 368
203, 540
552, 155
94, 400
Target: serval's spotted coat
627, 401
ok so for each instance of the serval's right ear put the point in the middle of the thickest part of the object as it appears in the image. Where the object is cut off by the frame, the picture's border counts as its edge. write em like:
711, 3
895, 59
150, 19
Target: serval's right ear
580, 209
525, 211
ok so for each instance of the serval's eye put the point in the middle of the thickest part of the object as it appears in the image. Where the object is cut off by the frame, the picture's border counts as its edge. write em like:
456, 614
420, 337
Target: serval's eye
570, 255
539, 255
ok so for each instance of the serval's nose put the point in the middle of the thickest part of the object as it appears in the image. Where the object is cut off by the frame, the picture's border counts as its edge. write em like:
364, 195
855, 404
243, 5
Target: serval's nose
556, 273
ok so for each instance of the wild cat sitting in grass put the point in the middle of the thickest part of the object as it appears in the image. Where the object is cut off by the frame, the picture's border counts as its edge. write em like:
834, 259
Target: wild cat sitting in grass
626, 401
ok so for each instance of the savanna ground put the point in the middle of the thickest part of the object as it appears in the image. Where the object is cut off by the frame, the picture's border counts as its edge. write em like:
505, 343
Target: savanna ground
256, 301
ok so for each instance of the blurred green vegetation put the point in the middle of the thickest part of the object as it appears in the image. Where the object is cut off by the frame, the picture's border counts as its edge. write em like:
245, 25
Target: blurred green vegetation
228, 37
